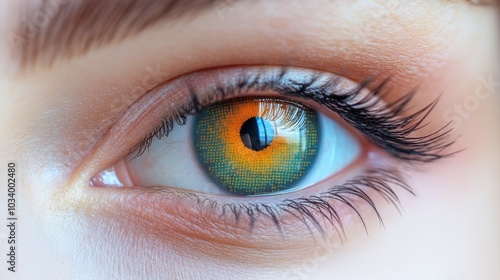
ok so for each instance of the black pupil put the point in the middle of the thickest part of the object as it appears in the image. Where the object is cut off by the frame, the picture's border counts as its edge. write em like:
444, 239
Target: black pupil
257, 134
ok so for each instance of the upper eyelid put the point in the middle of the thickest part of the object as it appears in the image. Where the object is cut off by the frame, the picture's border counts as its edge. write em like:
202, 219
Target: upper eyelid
394, 139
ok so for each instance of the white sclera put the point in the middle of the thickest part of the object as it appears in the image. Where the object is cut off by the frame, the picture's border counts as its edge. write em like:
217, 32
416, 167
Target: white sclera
337, 149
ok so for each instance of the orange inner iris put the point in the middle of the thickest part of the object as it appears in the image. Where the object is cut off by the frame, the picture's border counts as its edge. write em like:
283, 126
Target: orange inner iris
261, 162
242, 170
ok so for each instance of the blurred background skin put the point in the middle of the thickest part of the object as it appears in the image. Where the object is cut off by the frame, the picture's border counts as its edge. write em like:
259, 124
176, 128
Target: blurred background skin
51, 112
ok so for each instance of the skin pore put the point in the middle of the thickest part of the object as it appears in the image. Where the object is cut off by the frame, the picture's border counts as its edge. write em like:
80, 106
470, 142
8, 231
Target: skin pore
62, 117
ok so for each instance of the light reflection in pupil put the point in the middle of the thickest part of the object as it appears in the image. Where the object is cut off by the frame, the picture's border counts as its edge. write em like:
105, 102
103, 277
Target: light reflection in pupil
257, 133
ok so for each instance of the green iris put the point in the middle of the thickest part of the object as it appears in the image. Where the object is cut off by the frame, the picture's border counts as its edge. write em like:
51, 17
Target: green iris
251, 146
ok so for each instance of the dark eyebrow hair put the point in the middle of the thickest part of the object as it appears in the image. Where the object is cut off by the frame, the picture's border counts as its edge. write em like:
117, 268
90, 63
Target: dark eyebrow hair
51, 29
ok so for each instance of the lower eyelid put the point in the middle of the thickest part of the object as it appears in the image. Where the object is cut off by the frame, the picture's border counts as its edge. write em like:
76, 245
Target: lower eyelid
187, 218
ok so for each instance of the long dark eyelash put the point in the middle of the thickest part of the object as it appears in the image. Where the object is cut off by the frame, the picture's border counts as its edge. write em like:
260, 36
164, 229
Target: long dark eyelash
386, 125
379, 180
317, 211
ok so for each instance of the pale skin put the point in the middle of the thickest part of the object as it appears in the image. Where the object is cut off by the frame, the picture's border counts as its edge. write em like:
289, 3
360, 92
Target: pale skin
55, 121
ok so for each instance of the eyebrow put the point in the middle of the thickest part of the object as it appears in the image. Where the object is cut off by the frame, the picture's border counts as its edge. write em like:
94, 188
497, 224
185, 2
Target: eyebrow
52, 29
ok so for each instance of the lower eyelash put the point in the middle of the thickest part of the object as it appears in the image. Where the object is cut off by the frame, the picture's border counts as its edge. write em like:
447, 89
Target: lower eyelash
317, 211
379, 181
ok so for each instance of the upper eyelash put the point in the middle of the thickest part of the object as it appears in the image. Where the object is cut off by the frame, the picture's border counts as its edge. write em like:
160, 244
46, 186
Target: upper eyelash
384, 124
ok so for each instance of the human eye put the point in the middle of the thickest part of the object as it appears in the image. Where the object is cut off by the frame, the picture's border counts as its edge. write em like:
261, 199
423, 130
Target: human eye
251, 145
